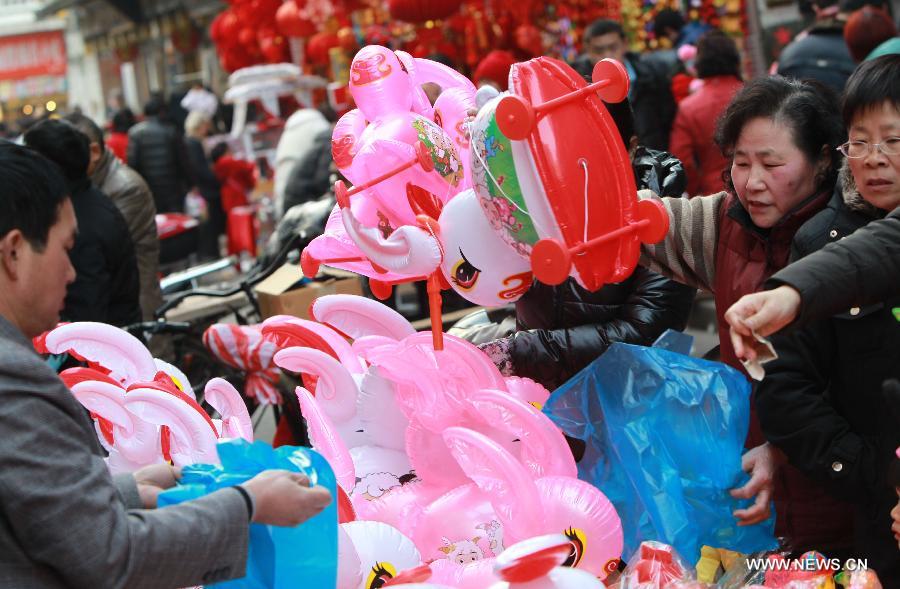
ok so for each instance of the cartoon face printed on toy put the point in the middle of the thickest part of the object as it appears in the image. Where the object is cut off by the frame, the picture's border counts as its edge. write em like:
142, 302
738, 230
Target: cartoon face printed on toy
477, 262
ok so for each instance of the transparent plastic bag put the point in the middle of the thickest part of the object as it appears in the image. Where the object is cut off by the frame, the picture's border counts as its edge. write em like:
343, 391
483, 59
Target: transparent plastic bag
664, 433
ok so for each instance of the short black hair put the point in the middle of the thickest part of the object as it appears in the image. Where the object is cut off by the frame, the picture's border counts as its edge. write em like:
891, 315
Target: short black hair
717, 55
155, 107
808, 108
872, 84
603, 26
62, 143
218, 151
123, 120
87, 126
667, 18
32, 188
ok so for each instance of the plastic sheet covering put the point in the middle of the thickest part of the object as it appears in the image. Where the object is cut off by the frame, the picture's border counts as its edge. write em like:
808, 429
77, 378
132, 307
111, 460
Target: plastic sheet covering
279, 557
664, 434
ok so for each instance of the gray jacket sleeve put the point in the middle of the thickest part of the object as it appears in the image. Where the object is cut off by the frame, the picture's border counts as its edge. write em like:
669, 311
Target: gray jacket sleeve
861, 269
65, 512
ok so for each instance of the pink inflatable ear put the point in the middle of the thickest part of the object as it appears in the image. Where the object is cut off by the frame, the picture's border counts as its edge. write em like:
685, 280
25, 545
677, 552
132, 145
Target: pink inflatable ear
420, 103
287, 331
507, 484
114, 349
408, 250
325, 440
476, 365
225, 399
135, 439
358, 316
193, 435
543, 448
336, 390
345, 141
447, 78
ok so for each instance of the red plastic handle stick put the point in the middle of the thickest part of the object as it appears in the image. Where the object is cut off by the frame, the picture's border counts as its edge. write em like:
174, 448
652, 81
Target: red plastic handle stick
434, 309
422, 158
571, 96
609, 236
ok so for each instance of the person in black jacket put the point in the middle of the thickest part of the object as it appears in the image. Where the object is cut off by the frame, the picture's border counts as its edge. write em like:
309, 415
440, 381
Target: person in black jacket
820, 52
562, 329
650, 93
107, 286
821, 402
157, 153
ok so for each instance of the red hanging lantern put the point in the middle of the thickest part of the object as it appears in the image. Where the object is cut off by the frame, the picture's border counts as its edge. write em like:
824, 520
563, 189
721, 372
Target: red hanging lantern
229, 25
422, 10
318, 46
291, 23
528, 39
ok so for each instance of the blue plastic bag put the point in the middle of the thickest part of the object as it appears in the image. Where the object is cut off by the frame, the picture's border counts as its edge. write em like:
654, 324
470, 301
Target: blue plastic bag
665, 433
279, 558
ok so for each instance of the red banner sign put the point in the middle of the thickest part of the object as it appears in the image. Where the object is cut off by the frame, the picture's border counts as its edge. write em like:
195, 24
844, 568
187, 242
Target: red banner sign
34, 54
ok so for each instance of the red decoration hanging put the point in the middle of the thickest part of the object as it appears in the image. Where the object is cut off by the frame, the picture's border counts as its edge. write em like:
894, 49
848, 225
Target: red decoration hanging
422, 10
318, 46
291, 23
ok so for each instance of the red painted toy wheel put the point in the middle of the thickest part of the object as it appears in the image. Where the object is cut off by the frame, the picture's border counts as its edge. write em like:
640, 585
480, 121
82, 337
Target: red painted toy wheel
515, 117
551, 262
309, 264
424, 157
612, 70
655, 212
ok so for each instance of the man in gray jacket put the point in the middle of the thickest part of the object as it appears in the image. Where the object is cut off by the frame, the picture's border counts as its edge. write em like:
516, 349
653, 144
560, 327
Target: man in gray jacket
64, 522
133, 198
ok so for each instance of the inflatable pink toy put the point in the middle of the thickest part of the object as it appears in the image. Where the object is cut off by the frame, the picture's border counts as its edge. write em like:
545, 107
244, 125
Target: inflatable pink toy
476, 262
192, 434
179, 378
527, 390
287, 331
225, 399
131, 442
527, 508
357, 316
473, 575
536, 563
323, 438
451, 110
385, 156
116, 350
349, 575
382, 551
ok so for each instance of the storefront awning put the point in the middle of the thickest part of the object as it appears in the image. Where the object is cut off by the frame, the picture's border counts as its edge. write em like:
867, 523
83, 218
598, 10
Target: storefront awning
131, 9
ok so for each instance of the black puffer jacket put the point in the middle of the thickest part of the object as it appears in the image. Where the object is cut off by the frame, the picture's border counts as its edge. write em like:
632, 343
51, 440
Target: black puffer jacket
822, 402
156, 151
821, 54
564, 328
107, 285
309, 178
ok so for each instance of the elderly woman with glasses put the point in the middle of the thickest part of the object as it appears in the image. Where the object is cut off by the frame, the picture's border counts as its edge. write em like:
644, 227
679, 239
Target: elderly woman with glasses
821, 402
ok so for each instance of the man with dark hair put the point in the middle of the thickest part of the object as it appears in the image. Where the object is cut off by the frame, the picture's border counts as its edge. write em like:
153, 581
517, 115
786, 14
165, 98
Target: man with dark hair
156, 152
64, 521
133, 198
667, 26
820, 51
650, 93
107, 288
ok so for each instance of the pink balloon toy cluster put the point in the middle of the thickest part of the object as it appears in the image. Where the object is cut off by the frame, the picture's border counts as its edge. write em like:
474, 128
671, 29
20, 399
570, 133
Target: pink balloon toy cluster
445, 461
143, 408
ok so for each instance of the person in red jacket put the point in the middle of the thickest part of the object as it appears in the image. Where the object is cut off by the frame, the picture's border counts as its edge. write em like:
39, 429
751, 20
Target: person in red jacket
237, 177
718, 66
117, 141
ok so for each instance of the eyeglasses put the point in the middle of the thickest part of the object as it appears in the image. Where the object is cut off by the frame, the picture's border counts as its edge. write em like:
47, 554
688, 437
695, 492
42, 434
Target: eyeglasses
858, 149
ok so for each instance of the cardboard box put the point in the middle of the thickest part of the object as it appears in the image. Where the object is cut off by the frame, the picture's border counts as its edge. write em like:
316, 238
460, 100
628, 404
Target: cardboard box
282, 294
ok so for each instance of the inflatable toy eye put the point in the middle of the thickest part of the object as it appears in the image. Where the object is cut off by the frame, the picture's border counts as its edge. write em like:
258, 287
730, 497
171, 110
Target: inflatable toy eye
381, 573
465, 275
578, 541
